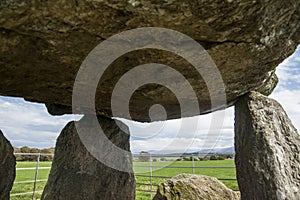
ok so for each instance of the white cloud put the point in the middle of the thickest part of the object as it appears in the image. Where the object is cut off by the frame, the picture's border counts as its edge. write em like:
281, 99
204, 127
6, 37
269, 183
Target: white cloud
290, 101
29, 124
287, 93
289, 72
178, 145
213, 131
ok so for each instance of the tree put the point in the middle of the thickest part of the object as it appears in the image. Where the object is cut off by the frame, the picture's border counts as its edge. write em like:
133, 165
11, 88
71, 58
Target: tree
144, 156
163, 159
221, 157
186, 159
213, 157
25, 149
47, 157
18, 157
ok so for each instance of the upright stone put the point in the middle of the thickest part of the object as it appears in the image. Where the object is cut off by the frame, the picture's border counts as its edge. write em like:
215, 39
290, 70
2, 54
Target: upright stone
77, 175
267, 150
7, 167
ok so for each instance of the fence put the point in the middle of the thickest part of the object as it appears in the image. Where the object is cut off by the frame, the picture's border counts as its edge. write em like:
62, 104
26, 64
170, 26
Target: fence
178, 164
35, 180
148, 173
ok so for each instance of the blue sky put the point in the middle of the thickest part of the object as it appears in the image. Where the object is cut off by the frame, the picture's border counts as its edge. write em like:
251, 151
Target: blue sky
25, 123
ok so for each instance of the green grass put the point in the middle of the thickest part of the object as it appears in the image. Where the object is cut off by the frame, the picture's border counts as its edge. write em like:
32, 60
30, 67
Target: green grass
29, 175
228, 173
221, 173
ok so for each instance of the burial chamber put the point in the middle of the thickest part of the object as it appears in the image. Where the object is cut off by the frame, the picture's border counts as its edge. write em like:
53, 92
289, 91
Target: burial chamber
44, 43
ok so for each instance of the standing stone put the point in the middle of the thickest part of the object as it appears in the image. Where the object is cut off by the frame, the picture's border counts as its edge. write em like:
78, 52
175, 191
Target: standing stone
77, 175
7, 167
194, 187
267, 150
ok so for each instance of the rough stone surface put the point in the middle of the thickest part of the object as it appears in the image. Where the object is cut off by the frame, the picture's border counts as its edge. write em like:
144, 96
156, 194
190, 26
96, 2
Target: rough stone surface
77, 175
43, 44
7, 167
267, 150
196, 187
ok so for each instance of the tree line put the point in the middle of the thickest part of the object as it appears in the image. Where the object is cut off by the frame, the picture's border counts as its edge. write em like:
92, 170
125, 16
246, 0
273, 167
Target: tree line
145, 157
26, 149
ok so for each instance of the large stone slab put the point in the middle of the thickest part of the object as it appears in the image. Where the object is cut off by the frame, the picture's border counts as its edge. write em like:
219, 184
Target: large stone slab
77, 175
43, 43
7, 167
194, 187
267, 150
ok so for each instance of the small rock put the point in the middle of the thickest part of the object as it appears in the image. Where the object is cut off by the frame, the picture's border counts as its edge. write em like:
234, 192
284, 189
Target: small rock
194, 187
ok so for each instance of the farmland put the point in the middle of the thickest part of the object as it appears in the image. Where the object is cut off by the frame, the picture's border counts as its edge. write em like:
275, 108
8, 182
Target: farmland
141, 170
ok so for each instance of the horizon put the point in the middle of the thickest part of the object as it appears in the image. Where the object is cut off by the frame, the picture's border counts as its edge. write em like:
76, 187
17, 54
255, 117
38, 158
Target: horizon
154, 152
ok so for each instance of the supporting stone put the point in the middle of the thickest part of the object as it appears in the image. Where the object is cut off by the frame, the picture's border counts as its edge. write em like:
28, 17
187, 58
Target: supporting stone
77, 175
7, 167
194, 187
267, 150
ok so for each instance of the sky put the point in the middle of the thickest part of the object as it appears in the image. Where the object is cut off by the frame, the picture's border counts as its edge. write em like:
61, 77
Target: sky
29, 124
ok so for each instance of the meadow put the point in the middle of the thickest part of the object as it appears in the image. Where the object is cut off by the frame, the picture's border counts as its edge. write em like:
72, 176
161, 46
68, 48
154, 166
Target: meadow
142, 172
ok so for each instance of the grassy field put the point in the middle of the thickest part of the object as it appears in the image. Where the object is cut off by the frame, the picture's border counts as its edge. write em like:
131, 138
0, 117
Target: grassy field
221, 173
29, 175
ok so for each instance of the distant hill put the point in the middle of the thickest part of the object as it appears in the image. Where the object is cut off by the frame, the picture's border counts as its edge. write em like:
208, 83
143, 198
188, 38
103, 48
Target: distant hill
227, 150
